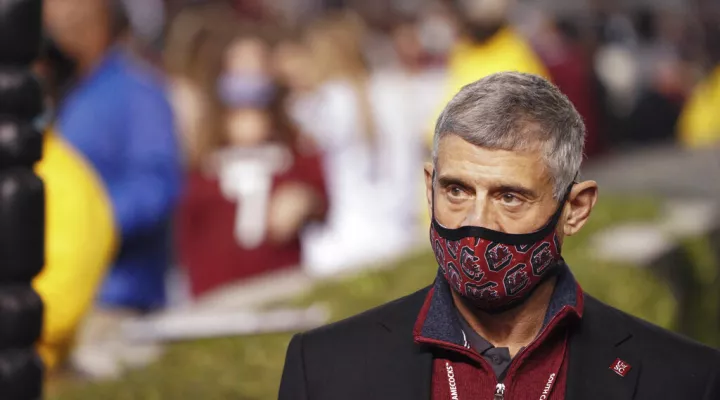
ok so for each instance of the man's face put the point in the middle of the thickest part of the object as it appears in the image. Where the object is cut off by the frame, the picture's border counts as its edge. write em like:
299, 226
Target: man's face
507, 191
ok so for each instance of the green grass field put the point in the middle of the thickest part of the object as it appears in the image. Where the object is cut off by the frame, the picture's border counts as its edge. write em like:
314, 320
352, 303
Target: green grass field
250, 367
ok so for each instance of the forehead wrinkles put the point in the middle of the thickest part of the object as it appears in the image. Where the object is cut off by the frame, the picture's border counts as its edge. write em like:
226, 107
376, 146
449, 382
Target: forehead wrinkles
530, 139
460, 156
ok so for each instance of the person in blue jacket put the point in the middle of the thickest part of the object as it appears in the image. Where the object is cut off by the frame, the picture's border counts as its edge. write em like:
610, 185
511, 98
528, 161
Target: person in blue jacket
117, 114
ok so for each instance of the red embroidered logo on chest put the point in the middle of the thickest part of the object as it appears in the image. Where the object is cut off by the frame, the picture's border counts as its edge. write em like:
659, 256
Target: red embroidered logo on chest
620, 367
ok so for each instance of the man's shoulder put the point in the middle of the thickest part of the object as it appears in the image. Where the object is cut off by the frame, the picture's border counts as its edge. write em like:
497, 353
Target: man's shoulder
399, 314
652, 341
358, 357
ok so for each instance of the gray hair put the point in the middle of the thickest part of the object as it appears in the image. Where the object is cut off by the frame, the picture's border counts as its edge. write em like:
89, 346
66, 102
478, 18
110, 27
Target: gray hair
517, 111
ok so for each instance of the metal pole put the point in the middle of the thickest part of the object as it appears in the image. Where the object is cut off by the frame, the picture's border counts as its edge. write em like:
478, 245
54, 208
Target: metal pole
22, 200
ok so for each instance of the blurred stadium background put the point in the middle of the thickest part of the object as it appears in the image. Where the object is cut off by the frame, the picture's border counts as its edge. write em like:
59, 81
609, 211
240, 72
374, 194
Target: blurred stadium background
221, 174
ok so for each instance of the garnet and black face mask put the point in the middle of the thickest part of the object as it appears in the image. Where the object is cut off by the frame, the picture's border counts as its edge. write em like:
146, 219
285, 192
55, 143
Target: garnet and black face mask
496, 271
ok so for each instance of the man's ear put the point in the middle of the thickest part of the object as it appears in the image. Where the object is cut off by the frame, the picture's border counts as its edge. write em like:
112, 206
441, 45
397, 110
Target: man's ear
428, 185
581, 201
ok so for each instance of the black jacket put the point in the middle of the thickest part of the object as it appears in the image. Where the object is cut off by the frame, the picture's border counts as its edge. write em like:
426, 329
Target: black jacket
373, 356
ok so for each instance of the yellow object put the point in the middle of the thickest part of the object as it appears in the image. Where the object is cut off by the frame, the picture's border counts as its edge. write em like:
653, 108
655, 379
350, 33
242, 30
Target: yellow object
699, 123
80, 243
505, 51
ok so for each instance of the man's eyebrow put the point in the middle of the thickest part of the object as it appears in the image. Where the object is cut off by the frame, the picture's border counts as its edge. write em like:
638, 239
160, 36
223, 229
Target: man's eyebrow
505, 188
445, 181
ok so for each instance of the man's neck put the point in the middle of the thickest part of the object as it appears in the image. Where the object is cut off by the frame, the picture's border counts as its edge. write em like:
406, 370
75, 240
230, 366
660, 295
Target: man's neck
514, 328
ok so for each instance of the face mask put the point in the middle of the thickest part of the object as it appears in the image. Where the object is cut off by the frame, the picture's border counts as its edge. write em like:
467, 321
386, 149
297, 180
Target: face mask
496, 271
245, 90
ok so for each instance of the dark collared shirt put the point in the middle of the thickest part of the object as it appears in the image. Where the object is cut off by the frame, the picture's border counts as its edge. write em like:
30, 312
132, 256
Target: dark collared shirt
498, 357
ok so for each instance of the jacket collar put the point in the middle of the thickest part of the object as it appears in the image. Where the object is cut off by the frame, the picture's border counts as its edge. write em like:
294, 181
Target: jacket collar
438, 321
406, 373
596, 344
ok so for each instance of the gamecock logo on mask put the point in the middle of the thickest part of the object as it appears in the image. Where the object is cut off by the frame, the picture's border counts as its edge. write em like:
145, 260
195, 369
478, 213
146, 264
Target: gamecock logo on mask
516, 279
454, 276
440, 255
498, 256
484, 292
469, 264
523, 248
541, 259
452, 247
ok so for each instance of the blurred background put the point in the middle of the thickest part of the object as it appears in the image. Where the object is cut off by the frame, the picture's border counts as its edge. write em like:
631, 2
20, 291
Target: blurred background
257, 167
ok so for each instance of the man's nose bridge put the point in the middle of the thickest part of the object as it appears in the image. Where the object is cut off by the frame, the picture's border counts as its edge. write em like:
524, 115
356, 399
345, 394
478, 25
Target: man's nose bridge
479, 214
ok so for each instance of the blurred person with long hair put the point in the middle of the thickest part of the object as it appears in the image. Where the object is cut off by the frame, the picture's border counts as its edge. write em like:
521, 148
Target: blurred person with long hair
183, 59
190, 46
257, 182
332, 101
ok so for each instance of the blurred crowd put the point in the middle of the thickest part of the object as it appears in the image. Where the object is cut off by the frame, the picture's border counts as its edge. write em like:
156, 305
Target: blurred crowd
238, 138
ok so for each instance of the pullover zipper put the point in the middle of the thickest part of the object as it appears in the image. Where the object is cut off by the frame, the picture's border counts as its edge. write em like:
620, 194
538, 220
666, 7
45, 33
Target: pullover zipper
499, 391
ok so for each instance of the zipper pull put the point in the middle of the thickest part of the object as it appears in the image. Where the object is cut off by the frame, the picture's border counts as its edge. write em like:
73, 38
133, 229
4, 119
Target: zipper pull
499, 391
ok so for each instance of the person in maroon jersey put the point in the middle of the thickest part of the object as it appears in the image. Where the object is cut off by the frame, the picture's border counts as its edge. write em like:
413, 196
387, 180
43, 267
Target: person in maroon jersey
257, 183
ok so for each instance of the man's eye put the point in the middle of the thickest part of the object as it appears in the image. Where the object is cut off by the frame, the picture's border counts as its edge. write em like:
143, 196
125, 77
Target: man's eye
510, 199
456, 191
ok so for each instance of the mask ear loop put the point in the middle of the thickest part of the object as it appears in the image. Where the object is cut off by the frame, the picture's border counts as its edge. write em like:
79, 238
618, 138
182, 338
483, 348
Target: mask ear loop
566, 196
555, 219
432, 196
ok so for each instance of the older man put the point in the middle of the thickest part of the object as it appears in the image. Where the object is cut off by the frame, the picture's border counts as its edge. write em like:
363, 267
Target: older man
505, 318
